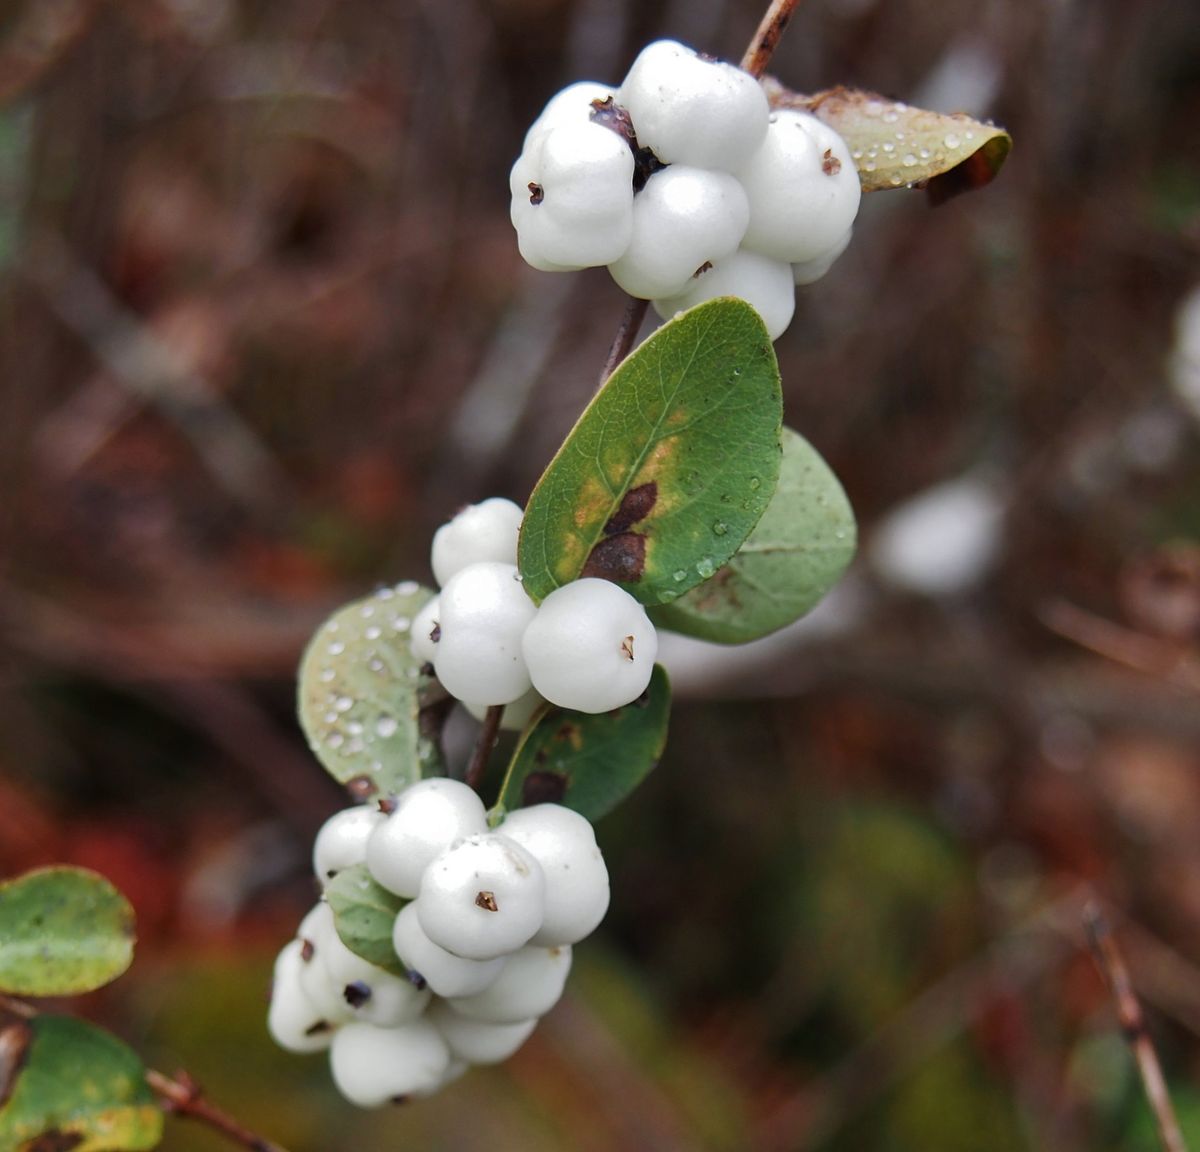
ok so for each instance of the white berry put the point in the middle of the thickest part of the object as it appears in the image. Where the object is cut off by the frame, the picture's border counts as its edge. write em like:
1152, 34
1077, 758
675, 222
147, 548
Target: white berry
591, 647
484, 531
564, 844
424, 627
810, 271
372, 1066
371, 993
483, 898
428, 817
689, 110
572, 197
445, 973
573, 105
530, 985
483, 614
682, 219
764, 283
342, 841
803, 189
293, 1020
476, 1041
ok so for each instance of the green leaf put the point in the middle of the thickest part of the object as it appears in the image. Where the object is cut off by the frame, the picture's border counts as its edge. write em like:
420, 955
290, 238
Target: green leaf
895, 146
364, 914
360, 693
62, 931
795, 554
668, 468
66, 1084
589, 762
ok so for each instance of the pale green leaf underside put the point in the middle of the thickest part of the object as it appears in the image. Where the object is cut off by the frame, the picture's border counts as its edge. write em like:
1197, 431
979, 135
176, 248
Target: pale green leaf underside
364, 914
795, 554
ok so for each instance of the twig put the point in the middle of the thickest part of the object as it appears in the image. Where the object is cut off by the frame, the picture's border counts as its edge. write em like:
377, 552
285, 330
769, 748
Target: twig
766, 39
184, 1097
1133, 1025
631, 322
484, 746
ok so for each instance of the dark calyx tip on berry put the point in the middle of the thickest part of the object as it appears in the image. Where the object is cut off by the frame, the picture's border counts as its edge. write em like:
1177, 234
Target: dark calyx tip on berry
627, 648
387, 805
307, 949
536, 192
317, 1028
611, 115
830, 164
399, 1100
357, 993
436, 634
416, 979
705, 267
486, 901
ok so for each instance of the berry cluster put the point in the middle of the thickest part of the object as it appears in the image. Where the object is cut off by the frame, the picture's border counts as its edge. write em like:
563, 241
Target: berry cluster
687, 185
589, 646
485, 939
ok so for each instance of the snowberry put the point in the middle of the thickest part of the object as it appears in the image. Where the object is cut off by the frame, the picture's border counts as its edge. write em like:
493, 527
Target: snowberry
572, 197
803, 189
342, 841
427, 818
591, 646
689, 110
292, 1020
445, 973
516, 715
482, 615
683, 218
530, 985
483, 898
810, 271
372, 994
764, 283
484, 531
424, 627
564, 844
573, 105
477, 1041
372, 1066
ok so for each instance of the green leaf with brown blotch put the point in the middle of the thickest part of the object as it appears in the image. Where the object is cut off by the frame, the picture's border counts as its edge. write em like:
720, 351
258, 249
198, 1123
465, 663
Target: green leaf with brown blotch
896, 146
62, 931
66, 1084
364, 913
795, 554
589, 762
668, 468
360, 694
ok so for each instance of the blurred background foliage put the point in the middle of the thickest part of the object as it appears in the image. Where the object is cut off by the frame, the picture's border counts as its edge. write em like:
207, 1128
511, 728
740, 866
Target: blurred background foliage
263, 326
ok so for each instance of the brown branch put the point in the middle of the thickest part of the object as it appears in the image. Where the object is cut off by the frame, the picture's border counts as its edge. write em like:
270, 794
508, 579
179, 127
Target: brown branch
766, 39
184, 1097
484, 746
622, 345
1133, 1025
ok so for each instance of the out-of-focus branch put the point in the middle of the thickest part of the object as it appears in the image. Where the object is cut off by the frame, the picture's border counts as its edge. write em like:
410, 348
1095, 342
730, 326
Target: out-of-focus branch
1133, 1025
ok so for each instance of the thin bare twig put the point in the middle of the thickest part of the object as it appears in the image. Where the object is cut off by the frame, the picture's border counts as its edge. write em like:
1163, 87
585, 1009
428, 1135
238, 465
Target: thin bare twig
766, 39
622, 345
1133, 1025
184, 1097
484, 746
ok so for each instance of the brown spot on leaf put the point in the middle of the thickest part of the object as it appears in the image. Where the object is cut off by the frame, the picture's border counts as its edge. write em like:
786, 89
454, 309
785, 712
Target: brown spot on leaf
637, 504
536, 193
830, 164
543, 788
16, 1035
620, 558
53, 1140
486, 901
361, 788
